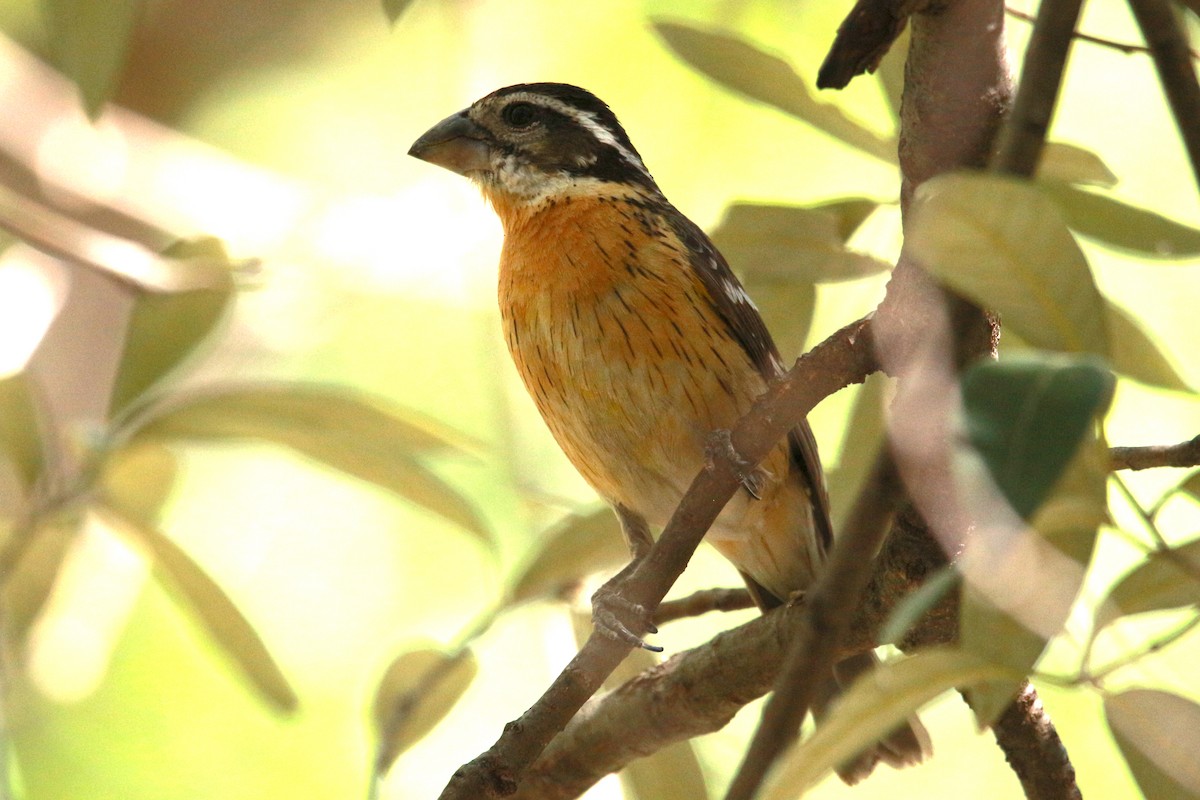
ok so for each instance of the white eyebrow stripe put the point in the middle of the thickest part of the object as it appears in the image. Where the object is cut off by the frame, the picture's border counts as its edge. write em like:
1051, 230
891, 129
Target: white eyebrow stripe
588, 121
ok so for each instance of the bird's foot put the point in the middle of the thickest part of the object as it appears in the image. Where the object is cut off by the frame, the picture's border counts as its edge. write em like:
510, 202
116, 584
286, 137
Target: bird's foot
621, 619
720, 443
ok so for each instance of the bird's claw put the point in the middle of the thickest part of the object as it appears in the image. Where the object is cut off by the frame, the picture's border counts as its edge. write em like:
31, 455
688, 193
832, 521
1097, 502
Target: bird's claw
621, 619
720, 443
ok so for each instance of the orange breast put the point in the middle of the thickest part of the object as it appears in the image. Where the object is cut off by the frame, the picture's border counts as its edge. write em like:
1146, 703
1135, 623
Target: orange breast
619, 346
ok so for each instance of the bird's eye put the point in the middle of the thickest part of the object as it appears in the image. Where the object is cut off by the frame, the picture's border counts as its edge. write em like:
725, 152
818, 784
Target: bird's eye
519, 115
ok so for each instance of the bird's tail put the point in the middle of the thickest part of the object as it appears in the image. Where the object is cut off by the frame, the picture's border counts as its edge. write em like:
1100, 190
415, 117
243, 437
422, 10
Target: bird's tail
906, 745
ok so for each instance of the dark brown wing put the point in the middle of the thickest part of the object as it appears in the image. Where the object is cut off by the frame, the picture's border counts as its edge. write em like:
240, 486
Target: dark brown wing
737, 310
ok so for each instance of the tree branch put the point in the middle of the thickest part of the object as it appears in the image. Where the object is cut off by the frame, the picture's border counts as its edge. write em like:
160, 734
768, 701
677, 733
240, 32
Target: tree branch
1123, 47
844, 358
703, 602
1034, 750
1168, 45
864, 38
1184, 454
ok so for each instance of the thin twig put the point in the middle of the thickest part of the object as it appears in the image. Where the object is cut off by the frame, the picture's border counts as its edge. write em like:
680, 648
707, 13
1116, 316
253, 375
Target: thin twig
1168, 45
1127, 48
1184, 454
1024, 135
831, 604
844, 358
703, 602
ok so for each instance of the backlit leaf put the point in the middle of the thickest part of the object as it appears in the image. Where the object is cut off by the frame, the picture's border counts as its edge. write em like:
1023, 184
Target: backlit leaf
864, 432
795, 243
417, 690
743, 67
875, 704
88, 42
1034, 577
1159, 735
1067, 163
1121, 225
578, 546
164, 328
394, 9
1166, 579
1138, 356
136, 483
356, 434
28, 584
1002, 243
20, 439
1027, 414
787, 307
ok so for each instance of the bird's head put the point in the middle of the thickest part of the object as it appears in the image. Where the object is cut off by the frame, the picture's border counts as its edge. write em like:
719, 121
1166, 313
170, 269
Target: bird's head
527, 142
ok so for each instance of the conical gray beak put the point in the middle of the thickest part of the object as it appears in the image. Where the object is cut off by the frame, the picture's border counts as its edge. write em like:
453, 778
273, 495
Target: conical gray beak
457, 144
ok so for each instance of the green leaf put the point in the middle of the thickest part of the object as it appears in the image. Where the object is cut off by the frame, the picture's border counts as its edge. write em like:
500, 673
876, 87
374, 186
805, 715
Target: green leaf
1159, 735
88, 42
909, 610
864, 432
136, 482
27, 586
890, 72
1166, 579
1067, 163
1031, 575
742, 67
1123, 226
672, 773
578, 546
164, 328
1027, 414
394, 9
417, 690
1138, 356
350, 432
20, 438
874, 706
1002, 243
787, 307
797, 244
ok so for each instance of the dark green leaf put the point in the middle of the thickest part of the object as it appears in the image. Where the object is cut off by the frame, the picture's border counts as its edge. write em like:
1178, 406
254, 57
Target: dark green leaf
864, 432
578, 546
909, 610
1067, 163
358, 435
164, 328
394, 9
1123, 226
875, 705
1138, 356
1159, 735
136, 481
1002, 243
20, 438
1033, 574
1166, 579
88, 42
417, 690
741, 66
1027, 414
796, 244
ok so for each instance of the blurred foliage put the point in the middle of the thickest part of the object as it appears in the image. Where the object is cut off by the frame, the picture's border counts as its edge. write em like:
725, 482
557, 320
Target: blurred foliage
338, 604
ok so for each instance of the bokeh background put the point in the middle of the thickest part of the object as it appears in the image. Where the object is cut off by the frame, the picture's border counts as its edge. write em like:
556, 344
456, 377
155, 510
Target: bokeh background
281, 126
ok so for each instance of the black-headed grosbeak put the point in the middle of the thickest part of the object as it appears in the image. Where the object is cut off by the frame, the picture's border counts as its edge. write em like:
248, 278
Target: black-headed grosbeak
635, 338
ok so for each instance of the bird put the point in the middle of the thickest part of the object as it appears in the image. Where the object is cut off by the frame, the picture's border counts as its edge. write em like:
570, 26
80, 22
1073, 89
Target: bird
639, 345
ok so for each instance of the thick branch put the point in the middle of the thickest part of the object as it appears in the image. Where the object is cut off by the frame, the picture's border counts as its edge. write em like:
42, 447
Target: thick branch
1184, 454
1033, 749
844, 358
1168, 45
